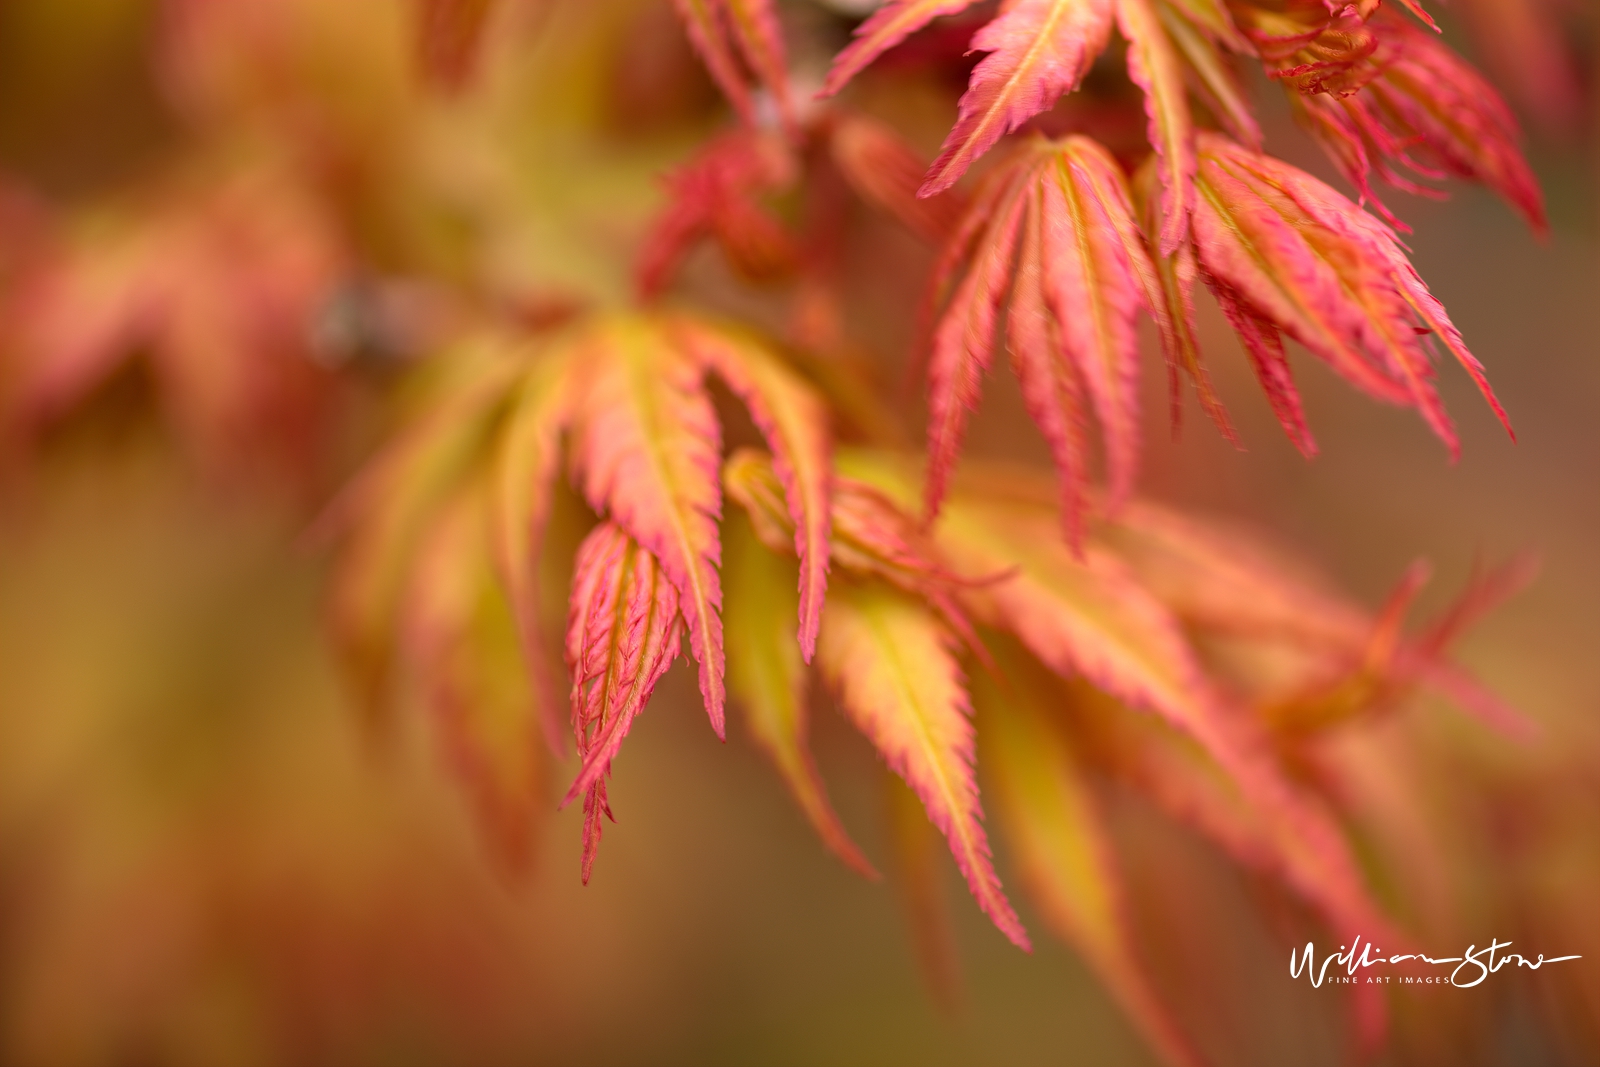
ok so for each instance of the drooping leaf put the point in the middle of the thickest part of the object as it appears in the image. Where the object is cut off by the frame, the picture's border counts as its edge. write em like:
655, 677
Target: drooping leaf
1309, 262
767, 679
890, 662
963, 345
1062, 211
1154, 66
528, 463
1175, 278
1097, 278
1038, 51
794, 422
1087, 615
1052, 818
1052, 385
623, 633
645, 444
1428, 112
462, 642
1264, 346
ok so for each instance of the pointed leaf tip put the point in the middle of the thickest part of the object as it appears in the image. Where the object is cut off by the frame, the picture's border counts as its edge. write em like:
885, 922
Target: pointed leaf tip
794, 422
1038, 51
623, 632
889, 660
645, 442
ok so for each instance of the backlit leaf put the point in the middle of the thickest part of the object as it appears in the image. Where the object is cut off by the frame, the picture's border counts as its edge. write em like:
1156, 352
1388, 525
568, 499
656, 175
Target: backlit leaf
1153, 65
794, 422
623, 633
1305, 260
645, 444
890, 662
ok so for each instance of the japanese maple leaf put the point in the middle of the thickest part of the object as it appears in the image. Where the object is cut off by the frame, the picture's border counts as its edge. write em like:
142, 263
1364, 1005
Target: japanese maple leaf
1284, 252
898, 680
623, 632
1426, 115
1055, 231
624, 401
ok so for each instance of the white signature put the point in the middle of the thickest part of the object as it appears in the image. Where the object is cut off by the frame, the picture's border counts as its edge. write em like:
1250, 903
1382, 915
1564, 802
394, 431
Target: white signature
1479, 964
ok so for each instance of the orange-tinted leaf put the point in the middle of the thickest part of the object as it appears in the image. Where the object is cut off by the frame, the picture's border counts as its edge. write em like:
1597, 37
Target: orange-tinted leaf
1174, 315
1053, 820
1088, 615
1052, 385
645, 443
1038, 50
1213, 78
1081, 277
1097, 277
1154, 66
623, 633
1309, 262
794, 422
891, 664
767, 679
963, 345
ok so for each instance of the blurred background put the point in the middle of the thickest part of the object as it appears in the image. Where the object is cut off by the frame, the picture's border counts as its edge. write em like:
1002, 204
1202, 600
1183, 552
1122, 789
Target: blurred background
229, 228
